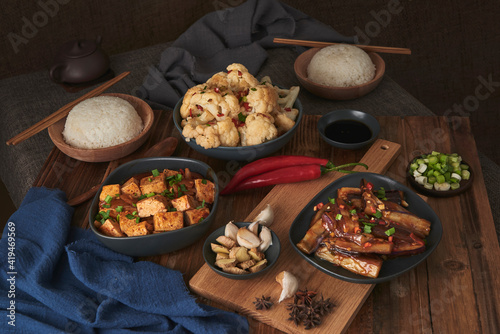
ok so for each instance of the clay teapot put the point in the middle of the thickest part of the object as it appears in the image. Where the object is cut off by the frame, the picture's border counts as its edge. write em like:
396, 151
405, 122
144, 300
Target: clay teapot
79, 61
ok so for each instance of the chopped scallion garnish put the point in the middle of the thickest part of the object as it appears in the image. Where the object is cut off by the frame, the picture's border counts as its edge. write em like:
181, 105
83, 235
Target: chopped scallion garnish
155, 172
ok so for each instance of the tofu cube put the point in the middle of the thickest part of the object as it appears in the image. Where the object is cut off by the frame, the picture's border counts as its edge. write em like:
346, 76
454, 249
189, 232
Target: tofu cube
111, 228
140, 228
151, 205
131, 188
184, 203
109, 190
205, 190
153, 184
168, 221
196, 216
169, 172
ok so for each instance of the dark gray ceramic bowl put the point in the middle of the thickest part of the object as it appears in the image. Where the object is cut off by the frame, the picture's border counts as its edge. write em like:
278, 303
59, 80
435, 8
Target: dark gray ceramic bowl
349, 115
272, 253
160, 243
241, 153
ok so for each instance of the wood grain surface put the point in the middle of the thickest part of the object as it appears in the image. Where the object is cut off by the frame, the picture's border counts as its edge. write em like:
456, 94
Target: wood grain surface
454, 290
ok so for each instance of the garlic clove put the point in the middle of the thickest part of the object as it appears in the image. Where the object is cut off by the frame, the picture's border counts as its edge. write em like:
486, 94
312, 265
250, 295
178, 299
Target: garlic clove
266, 237
266, 216
231, 230
254, 227
289, 285
247, 239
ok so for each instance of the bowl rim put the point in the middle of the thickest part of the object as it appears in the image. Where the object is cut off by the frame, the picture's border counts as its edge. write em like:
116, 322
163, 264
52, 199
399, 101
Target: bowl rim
379, 71
207, 220
348, 112
176, 111
147, 127
245, 276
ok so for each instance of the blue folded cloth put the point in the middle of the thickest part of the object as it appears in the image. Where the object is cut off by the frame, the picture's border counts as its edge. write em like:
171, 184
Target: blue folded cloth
233, 35
57, 278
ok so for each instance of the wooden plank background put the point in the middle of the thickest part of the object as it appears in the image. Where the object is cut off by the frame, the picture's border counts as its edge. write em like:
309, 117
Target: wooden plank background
455, 290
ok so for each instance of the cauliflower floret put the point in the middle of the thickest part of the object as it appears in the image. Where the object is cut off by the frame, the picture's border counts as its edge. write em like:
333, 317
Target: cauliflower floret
216, 104
186, 102
291, 113
282, 122
258, 129
219, 81
189, 131
263, 99
228, 134
239, 78
208, 136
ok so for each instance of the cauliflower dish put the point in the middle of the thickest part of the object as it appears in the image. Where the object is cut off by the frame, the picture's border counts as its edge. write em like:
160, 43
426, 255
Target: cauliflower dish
234, 109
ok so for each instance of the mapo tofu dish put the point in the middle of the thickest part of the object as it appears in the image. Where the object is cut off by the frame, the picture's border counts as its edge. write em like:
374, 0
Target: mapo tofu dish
154, 202
362, 226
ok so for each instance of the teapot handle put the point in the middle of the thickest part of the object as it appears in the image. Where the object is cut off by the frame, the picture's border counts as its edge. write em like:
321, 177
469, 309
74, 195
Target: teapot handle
55, 72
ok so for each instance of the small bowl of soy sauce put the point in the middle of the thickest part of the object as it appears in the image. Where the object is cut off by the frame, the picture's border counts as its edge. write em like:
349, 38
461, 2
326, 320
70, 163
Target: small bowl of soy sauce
348, 129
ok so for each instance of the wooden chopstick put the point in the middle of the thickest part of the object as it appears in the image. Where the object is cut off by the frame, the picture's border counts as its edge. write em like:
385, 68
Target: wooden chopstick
62, 112
369, 48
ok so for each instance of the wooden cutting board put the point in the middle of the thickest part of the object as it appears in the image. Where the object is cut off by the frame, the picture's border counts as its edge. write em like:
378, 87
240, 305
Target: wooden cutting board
287, 201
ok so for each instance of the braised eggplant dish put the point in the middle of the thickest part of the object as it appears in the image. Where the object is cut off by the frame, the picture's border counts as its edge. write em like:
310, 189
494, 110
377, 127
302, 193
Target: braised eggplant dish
154, 202
362, 226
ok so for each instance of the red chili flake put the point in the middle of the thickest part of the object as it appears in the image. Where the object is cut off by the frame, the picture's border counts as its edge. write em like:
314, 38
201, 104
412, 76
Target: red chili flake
235, 121
239, 73
229, 71
190, 112
288, 109
367, 244
220, 115
320, 205
199, 107
369, 185
216, 89
246, 106
390, 238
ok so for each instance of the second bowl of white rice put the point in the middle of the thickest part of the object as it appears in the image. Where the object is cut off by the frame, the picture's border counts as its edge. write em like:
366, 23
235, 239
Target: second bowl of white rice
339, 72
103, 128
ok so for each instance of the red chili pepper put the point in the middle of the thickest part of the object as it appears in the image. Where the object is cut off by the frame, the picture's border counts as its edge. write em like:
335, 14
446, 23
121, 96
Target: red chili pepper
190, 112
369, 186
269, 164
246, 106
216, 89
239, 73
282, 175
281, 169
220, 115
199, 107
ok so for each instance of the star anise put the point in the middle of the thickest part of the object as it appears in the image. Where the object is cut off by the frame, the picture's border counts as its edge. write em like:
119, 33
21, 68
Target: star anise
322, 306
263, 303
305, 296
312, 321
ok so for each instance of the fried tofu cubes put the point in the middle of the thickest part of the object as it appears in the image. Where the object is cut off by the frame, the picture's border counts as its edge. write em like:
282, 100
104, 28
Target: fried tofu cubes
154, 202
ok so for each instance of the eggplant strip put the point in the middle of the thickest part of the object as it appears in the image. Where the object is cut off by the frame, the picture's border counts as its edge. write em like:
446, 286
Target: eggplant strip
362, 265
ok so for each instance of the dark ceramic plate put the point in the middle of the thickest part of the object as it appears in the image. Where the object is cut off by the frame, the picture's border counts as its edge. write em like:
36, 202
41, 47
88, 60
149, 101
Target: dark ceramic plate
390, 268
349, 115
241, 153
160, 243
464, 185
272, 253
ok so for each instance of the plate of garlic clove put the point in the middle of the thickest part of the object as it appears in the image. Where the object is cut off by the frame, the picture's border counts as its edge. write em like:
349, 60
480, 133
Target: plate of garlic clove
241, 250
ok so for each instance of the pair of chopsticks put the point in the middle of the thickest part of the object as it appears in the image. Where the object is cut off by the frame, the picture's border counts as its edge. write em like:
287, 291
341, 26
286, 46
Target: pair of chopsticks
63, 112
368, 48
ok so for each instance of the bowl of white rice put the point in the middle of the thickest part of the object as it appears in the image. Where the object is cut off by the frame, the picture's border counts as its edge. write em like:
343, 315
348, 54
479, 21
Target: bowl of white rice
339, 72
103, 128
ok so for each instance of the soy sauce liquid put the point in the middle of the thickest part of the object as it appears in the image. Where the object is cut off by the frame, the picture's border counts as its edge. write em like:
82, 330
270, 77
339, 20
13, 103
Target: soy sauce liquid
347, 131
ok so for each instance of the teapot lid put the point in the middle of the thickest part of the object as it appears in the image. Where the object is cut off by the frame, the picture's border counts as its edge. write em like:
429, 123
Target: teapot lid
79, 48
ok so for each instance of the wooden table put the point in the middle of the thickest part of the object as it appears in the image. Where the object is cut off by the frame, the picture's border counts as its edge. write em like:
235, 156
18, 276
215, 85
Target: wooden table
455, 290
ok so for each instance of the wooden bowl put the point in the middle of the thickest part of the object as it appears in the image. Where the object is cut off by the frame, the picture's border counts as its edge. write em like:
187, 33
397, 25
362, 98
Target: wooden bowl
337, 93
112, 152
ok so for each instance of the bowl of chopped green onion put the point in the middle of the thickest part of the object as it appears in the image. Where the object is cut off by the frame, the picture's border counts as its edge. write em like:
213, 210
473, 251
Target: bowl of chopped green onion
439, 174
